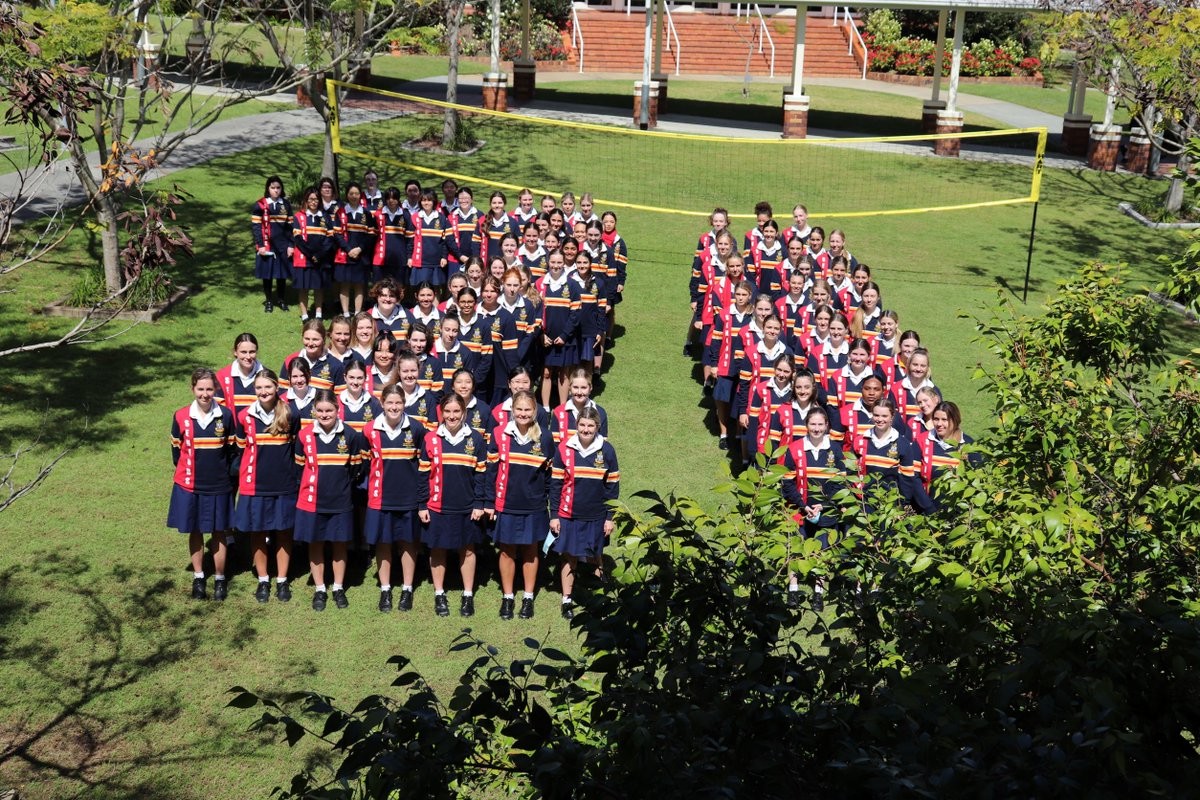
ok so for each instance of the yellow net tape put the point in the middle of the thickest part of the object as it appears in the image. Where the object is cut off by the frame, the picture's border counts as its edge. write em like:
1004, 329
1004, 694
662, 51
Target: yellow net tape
882, 173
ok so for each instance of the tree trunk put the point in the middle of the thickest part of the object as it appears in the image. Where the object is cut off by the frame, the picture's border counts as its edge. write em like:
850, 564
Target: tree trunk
450, 127
110, 240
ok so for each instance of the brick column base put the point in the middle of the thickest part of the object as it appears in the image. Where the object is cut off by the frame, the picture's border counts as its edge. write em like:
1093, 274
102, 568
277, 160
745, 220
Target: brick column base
948, 122
1075, 133
524, 81
1103, 148
929, 112
652, 93
1137, 152
795, 116
495, 91
662, 79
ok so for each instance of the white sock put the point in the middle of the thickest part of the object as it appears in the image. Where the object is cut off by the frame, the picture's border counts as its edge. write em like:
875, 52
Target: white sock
199, 575
281, 580
529, 595
337, 587
508, 597
218, 577
320, 587
387, 587
566, 599
406, 588
304, 317
819, 589
439, 592
262, 579
794, 586
468, 594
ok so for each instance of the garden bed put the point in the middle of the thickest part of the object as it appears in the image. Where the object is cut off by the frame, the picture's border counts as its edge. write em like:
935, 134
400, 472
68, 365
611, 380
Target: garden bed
1128, 210
62, 309
1037, 80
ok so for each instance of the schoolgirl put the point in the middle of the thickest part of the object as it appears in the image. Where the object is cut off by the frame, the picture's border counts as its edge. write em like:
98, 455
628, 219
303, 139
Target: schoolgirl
864, 322
793, 310
508, 251
412, 196
340, 338
844, 386
372, 197
854, 419
266, 504
235, 382
909, 341
709, 269
329, 197
430, 242
618, 262
465, 220
763, 399
834, 353
531, 254
920, 426
419, 401
521, 380
391, 242
837, 249
456, 284
300, 394
799, 229
567, 204
859, 277
887, 461
816, 251
763, 213
362, 343
883, 346
584, 479
271, 227
314, 241
839, 280
725, 351
357, 407
564, 417
203, 449
352, 266
561, 327
787, 421
813, 463
797, 261
916, 378
478, 413
326, 370
604, 259
333, 457
515, 494
593, 305
387, 313
942, 450
525, 211
720, 290
558, 222
811, 341
397, 493
383, 367
497, 224
448, 356
449, 199
756, 365
489, 296
520, 318
425, 312
456, 463
579, 234
768, 259
474, 332
586, 206
547, 204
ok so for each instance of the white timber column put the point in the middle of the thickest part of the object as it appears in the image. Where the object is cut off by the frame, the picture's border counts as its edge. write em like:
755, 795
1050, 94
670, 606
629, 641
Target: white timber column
950, 120
931, 107
795, 102
524, 68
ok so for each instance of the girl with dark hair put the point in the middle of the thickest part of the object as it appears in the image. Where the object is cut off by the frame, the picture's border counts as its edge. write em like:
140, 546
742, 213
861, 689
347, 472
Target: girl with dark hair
271, 227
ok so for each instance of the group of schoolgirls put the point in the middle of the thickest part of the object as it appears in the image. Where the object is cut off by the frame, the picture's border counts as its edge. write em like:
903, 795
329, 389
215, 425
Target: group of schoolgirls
417, 239
804, 362
396, 449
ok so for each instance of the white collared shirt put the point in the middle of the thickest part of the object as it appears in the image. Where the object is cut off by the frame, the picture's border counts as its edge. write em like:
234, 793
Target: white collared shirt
908, 384
775, 352
578, 447
236, 370
464, 431
841, 350
202, 419
302, 402
261, 414
889, 437
325, 437
392, 433
411, 398
463, 215
352, 403
429, 217
816, 448
553, 285
512, 430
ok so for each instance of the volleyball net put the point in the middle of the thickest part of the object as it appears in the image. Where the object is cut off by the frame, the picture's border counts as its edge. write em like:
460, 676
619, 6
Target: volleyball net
689, 174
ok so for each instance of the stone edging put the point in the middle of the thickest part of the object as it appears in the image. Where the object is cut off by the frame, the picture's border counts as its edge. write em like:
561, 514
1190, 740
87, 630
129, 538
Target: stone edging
927, 80
1180, 308
1128, 210
61, 309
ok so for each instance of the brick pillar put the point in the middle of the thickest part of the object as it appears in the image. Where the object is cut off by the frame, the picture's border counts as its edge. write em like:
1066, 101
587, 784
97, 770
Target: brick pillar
1104, 146
1076, 128
524, 80
1137, 153
495, 91
637, 104
948, 122
661, 79
795, 116
929, 113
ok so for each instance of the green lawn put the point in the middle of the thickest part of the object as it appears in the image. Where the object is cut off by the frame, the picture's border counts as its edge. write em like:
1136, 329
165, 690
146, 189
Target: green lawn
833, 108
1049, 99
115, 681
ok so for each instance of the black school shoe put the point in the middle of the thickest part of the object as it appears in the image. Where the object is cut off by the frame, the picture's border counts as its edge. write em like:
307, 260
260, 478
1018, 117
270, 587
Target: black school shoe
385, 600
526, 611
319, 599
406, 600
818, 602
568, 610
283, 591
281, 305
220, 589
506, 607
267, 307
339, 598
263, 593
441, 606
199, 589
793, 598
467, 607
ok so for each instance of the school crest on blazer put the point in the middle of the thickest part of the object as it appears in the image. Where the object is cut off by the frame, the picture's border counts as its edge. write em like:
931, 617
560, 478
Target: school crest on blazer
469, 447
475, 419
495, 323
219, 430
408, 437
537, 449
342, 447
600, 460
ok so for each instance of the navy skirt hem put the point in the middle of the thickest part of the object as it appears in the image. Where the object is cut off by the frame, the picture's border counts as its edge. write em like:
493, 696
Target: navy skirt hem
271, 268
315, 526
273, 513
521, 528
310, 278
564, 355
199, 513
451, 531
350, 273
582, 538
725, 390
385, 527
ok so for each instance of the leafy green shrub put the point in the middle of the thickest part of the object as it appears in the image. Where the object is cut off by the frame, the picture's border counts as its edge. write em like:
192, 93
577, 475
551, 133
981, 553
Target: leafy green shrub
883, 26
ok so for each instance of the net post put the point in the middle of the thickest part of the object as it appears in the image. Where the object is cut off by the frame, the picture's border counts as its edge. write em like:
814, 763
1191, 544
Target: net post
1029, 254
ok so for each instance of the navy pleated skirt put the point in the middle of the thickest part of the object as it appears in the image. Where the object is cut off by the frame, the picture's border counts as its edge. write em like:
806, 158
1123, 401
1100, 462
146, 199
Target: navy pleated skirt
385, 527
315, 526
451, 531
255, 514
582, 538
310, 277
521, 528
199, 513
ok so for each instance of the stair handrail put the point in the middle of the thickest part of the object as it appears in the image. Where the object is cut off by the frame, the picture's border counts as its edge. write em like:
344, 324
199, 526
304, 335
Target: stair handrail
671, 31
577, 35
762, 26
855, 35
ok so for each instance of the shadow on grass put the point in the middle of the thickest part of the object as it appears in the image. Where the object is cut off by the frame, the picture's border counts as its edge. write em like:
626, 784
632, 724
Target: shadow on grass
77, 736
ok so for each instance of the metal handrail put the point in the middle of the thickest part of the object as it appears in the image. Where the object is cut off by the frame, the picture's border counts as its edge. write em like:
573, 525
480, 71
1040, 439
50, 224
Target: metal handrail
850, 39
671, 31
762, 26
576, 35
